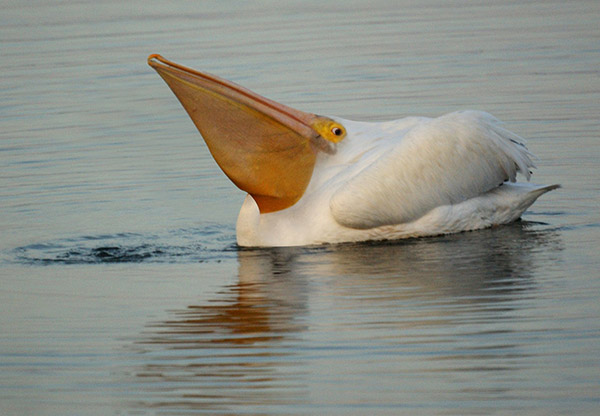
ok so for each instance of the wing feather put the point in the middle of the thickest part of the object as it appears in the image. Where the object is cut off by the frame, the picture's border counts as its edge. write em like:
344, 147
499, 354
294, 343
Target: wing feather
438, 162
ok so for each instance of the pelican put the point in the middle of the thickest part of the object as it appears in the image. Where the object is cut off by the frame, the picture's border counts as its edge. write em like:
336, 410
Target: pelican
313, 179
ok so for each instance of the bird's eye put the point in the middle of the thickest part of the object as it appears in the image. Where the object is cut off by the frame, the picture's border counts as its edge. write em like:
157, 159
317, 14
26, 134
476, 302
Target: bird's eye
337, 131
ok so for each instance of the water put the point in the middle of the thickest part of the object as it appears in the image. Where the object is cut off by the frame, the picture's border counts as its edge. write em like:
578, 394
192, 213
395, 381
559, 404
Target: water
122, 290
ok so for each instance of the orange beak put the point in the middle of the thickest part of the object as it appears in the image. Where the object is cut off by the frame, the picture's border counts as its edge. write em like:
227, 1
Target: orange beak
267, 149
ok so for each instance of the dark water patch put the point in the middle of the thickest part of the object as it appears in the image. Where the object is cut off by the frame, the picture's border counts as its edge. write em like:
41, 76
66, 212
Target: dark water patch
210, 243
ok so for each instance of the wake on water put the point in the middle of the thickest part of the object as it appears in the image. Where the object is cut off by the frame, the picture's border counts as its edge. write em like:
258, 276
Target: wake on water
210, 243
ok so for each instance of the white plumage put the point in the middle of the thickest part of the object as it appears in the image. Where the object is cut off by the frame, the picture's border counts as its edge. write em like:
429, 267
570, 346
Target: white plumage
411, 177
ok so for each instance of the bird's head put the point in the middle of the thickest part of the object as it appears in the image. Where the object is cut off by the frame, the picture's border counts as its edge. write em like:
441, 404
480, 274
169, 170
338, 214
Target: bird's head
266, 148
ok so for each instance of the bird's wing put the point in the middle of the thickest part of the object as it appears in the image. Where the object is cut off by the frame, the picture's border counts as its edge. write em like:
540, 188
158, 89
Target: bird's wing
438, 162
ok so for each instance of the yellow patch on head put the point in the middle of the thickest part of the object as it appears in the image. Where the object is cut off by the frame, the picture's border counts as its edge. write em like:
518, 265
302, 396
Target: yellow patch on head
329, 129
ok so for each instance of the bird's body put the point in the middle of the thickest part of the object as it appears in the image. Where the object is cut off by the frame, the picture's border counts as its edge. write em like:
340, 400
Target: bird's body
412, 177
312, 179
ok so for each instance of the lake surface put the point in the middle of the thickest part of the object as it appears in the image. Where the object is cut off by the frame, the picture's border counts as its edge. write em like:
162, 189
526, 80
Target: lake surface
122, 290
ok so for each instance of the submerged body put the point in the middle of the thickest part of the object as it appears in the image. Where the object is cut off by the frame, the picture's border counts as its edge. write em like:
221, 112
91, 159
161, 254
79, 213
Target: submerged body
312, 179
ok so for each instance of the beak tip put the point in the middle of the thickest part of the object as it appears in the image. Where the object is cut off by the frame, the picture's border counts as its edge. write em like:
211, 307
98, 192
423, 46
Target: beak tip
153, 57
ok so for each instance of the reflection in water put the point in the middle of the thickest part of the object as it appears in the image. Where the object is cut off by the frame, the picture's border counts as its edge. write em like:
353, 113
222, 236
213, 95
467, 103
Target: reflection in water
237, 349
302, 325
470, 266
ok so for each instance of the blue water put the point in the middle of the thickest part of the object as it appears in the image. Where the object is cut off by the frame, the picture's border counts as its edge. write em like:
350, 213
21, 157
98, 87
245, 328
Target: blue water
122, 290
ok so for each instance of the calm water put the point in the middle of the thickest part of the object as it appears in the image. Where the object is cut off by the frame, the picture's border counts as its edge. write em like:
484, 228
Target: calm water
122, 290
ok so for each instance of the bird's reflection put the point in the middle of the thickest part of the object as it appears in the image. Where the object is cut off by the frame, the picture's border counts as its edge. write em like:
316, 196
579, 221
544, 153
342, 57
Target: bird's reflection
237, 349
452, 267
247, 347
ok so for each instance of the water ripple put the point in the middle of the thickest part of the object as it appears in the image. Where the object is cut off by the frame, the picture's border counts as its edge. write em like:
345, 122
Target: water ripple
210, 243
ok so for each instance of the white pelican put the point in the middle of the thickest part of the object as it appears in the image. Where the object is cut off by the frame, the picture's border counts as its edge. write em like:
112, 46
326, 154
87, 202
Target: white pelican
313, 179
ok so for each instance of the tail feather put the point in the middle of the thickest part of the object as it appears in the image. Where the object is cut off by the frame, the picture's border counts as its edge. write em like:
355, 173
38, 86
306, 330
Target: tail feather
522, 195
